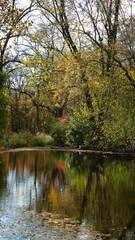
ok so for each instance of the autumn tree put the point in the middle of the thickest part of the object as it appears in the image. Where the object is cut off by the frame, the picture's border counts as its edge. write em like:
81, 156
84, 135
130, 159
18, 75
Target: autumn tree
104, 23
78, 58
44, 83
13, 24
87, 28
126, 40
56, 13
3, 101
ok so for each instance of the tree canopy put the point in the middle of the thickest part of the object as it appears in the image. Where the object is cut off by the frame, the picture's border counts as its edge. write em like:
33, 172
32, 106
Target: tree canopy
73, 59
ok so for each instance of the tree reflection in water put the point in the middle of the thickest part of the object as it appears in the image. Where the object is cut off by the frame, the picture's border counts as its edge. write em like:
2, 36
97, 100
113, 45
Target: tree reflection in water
3, 174
97, 190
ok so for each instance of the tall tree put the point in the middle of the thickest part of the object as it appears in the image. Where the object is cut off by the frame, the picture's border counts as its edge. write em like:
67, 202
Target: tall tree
104, 21
13, 24
3, 101
56, 12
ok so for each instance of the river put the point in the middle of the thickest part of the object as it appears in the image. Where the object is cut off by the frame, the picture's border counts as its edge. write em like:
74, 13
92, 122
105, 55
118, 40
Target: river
64, 195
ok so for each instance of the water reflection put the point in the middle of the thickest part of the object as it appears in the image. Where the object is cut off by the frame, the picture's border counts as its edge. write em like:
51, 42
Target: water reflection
97, 190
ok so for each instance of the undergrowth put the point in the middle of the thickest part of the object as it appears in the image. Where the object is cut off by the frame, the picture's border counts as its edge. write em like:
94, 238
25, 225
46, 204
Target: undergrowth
25, 139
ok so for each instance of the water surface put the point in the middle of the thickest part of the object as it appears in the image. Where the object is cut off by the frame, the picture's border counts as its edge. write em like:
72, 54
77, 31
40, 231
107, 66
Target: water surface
99, 191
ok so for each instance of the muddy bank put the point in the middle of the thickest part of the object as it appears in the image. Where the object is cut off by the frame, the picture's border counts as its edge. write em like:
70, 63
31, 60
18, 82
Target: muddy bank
67, 150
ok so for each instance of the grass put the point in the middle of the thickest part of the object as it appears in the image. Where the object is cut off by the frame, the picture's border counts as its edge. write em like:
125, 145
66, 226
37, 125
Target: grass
25, 139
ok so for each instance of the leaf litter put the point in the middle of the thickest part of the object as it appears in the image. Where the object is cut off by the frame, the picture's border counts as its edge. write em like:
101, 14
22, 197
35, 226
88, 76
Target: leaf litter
28, 225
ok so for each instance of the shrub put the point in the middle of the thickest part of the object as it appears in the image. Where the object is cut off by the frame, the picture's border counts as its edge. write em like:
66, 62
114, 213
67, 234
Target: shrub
25, 139
79, 126
43, 139
119, 133
17, 140
58, 133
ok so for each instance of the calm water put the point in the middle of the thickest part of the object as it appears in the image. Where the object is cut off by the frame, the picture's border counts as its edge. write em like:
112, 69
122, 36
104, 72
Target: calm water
98, 191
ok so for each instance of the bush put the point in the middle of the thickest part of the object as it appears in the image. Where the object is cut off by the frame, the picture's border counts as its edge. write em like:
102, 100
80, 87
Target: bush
58, 133
17, 140
43, 139
25, 139
120, 133
79, 127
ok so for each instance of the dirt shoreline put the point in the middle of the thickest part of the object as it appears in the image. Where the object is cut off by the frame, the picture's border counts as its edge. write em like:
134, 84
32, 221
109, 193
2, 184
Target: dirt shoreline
66, 150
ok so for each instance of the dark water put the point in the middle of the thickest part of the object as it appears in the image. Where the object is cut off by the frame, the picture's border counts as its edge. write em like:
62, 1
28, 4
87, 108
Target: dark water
98, 191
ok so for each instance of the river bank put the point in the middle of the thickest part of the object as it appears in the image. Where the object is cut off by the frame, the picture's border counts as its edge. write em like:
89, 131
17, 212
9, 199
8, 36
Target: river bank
132, 154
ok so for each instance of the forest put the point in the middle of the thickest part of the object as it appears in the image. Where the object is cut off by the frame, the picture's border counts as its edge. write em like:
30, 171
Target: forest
67, 74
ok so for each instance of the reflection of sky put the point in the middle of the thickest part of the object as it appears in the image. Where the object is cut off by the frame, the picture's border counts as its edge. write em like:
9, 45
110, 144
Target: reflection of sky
21, 191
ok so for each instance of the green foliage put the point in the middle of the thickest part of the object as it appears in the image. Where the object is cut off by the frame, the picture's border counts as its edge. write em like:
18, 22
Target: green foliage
55, 84
3, 101
3, 111
79, 126
17, 140
58, 133
120, 132
25, 139
43, 139
3, 77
